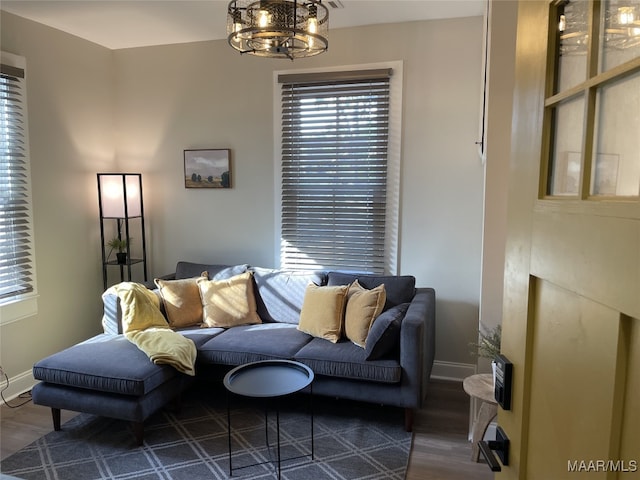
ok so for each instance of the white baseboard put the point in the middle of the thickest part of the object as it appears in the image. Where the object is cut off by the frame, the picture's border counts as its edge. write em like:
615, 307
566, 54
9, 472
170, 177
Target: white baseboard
18, 384
452, 371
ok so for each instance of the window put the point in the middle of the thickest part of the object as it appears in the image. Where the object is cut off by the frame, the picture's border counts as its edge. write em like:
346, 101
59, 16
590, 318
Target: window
339, 171
595, 60
16, 237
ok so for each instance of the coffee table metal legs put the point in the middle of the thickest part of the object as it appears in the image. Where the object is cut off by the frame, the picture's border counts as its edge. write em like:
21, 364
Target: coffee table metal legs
266, 429
229, 431
278, 434
311, 407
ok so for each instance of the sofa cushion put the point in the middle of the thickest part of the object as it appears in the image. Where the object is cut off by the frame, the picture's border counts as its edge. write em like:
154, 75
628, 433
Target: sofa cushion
181, 301
399, 288
384, 335
252, 343
200, 335
229, 302
363, 306
216, 272
280, 293
344, 359
322, 312
106, 363
125, 407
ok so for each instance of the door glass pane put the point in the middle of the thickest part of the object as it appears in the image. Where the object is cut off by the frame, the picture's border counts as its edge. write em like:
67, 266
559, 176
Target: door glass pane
572, 48
619, 32
567, 148
617, 139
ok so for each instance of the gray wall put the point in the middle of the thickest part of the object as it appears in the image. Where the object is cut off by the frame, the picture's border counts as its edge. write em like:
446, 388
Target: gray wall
138, 109
70, 101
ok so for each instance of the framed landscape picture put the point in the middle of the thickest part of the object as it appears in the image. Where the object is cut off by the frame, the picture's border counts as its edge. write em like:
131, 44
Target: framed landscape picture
207, 168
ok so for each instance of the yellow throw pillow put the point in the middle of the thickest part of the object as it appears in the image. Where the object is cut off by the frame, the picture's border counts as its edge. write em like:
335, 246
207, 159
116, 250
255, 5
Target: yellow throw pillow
322, 313
229, 302
363, 306
181, 300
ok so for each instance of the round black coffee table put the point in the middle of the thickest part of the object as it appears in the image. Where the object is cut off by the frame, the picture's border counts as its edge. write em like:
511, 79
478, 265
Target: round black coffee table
268, 379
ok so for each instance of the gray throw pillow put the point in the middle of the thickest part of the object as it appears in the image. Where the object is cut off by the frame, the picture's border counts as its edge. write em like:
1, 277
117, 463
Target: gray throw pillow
384, 335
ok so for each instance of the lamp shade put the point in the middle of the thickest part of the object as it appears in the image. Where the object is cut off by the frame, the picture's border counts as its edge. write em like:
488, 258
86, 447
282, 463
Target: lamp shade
120, 194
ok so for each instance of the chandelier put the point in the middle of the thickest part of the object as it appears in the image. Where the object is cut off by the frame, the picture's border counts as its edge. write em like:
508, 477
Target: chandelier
278, 28
620, 26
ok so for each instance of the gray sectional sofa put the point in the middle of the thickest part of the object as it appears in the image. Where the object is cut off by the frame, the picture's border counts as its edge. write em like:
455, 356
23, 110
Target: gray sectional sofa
109, 376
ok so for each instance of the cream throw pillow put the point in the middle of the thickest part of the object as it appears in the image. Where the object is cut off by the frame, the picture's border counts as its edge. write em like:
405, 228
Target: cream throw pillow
322, 313
229, 302
363, 306
181, 300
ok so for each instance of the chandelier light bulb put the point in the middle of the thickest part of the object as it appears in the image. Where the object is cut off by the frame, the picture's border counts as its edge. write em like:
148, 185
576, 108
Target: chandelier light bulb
237, 20
625, 15
562, 24
312, 25
263, 18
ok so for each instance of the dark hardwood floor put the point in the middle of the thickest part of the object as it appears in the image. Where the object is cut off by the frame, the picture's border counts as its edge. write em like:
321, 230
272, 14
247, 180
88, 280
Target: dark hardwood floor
441, 450
440, 447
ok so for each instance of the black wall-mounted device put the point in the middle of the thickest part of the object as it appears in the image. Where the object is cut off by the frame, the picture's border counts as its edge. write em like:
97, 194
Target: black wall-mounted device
504, 381
500, 445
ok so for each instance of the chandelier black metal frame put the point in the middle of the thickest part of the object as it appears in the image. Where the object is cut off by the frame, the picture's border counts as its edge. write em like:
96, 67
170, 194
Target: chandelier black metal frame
278, 28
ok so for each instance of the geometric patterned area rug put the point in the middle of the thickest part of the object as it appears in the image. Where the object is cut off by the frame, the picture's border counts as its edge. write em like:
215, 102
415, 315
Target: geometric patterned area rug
352, 441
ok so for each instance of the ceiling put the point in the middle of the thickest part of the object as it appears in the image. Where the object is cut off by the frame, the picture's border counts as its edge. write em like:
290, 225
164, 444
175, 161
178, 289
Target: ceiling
119, 24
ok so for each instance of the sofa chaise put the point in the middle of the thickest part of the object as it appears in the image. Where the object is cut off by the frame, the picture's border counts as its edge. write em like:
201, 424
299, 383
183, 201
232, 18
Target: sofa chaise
109, 376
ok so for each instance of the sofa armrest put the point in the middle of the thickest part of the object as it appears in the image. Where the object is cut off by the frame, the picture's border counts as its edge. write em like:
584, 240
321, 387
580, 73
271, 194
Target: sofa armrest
417, 346
112, 312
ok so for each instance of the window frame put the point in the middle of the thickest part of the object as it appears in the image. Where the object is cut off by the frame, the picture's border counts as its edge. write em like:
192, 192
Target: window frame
587, 90
22, 305
392, 221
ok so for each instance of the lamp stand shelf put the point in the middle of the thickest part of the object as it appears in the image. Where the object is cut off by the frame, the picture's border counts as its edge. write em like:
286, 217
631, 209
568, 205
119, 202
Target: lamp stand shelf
122, 212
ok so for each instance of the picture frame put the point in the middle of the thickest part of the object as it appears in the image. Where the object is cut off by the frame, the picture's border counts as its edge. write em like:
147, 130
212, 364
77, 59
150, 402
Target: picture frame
207, 168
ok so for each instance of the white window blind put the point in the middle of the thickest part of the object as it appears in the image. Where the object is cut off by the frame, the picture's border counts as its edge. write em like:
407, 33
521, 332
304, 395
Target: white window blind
335, 136
16, 249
